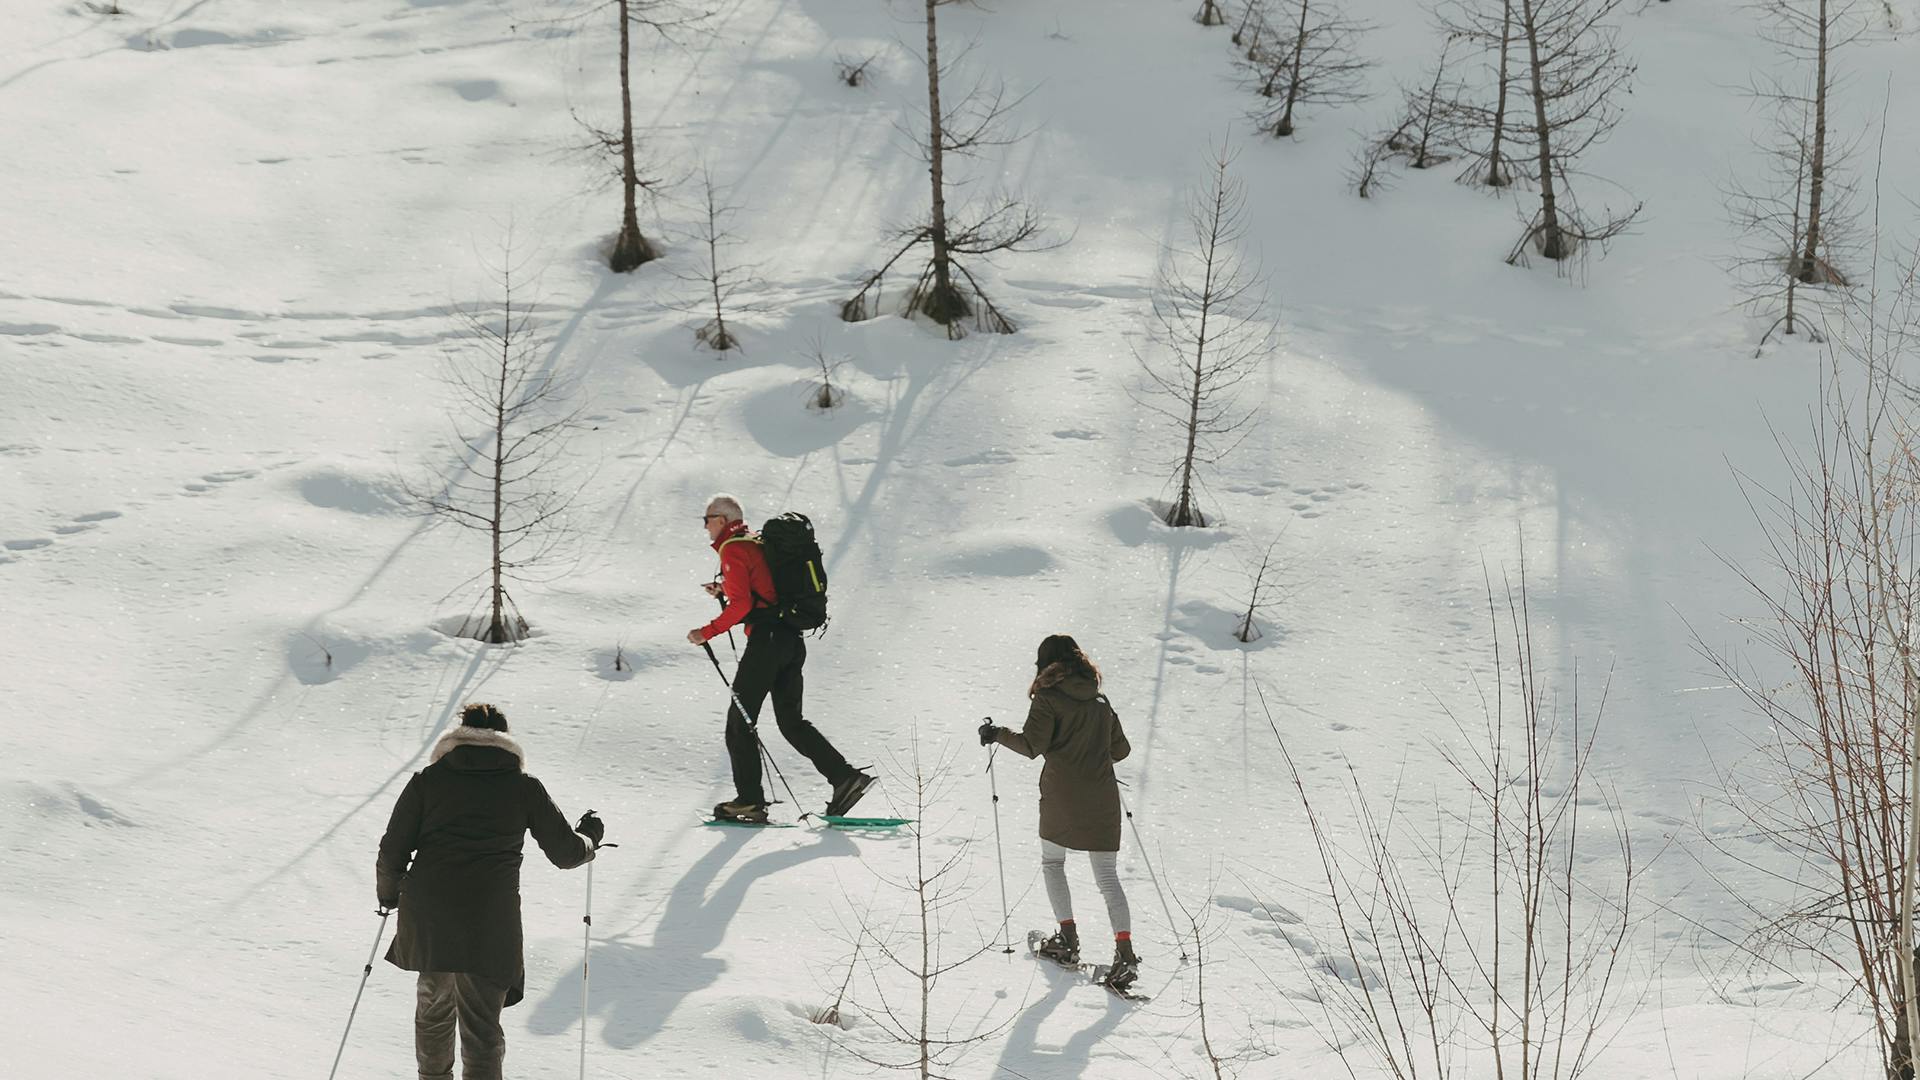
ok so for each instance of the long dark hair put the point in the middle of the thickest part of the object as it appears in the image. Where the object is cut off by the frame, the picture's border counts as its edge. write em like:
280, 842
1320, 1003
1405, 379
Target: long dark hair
1063, 650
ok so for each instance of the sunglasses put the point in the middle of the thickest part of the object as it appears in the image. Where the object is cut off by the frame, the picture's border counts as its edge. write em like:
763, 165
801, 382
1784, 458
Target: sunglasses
709, 517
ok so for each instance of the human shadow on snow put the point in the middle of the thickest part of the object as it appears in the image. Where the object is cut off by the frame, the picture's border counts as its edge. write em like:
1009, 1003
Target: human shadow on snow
636, 987
1022, 1054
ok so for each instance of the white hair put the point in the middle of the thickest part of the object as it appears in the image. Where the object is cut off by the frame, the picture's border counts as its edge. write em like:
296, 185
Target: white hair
726, 504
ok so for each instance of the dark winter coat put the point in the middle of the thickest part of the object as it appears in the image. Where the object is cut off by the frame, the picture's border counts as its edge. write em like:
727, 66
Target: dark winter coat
461, 821
1071, 724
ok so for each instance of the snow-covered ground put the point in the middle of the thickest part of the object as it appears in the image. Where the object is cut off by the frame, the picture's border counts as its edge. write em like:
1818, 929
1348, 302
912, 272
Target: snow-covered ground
233, 229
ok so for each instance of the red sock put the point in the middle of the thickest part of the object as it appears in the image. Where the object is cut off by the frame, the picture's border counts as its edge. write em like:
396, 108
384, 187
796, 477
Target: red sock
1066, 923
1124, 935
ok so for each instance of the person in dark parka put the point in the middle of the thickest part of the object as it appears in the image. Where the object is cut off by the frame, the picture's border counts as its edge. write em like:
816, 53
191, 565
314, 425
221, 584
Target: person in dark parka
1072, 725
450, 862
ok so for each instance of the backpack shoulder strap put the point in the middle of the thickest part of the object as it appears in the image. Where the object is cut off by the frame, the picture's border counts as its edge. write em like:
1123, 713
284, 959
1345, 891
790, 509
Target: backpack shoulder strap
749, 538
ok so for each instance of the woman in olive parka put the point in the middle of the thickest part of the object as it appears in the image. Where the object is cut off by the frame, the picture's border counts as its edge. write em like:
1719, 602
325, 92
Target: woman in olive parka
1071, 724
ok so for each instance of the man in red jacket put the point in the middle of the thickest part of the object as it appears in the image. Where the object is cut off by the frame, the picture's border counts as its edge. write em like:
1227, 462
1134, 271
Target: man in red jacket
771, 663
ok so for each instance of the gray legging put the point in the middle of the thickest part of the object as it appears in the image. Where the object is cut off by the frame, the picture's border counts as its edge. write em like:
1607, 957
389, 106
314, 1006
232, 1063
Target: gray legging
1106, 874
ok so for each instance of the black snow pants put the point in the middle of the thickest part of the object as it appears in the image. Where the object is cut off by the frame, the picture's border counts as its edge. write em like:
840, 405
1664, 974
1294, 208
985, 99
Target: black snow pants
771, 664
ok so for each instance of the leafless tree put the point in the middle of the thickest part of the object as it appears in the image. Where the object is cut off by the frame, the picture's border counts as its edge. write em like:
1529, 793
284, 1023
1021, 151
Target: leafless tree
1000, 224
851, 71
824, 395
1505, 915
512, 418
1303, 52
1574, 73
1809, 33
664, 19
1488, 28
1222, 1061
1831, 784
721, 278
1246, 32
1263, 592
1429, 131
1796, 222
908, 956
1370, 173
1210, 14
1210, 330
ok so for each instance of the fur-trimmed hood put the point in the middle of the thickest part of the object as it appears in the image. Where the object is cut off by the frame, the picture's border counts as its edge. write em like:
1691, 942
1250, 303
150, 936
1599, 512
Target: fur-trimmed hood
466, 735
1068, 679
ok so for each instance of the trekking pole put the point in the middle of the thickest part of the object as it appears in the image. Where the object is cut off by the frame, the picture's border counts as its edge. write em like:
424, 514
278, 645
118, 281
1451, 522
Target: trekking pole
753, 724
586, 952
364, 975
1168, 908
998, 856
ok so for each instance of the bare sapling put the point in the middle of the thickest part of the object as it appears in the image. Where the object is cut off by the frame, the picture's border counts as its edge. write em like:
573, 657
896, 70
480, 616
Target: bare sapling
924, 1034
1507, 915
663, 20
945, 289
1795, 217
1572, 77
720, 278
513, 418
1839, 613
853, 70
825, 394
1264, 593
1484, 119
1210, 330
1302, 53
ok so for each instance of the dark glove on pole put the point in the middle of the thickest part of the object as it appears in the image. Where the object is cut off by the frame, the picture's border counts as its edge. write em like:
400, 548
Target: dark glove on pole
989, 733
593, 829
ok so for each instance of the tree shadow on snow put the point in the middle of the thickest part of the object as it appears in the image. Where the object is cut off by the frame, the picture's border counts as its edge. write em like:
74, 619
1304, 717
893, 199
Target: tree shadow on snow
636, 987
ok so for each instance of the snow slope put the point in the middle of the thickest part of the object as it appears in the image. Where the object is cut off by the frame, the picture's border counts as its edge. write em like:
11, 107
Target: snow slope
233, 230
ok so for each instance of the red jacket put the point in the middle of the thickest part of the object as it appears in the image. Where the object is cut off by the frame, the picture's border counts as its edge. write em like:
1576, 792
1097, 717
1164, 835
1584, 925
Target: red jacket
745, 580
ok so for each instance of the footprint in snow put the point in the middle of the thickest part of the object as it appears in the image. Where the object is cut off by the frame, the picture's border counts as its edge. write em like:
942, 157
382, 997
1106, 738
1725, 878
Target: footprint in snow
213, 480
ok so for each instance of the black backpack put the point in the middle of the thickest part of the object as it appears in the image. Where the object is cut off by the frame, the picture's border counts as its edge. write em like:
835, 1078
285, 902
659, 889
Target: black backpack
799, 574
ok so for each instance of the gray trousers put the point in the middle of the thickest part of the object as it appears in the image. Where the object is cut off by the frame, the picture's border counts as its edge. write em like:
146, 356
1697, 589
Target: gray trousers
471, 1003
1106, 874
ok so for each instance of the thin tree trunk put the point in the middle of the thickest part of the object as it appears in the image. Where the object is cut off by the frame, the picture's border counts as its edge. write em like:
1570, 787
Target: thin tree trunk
1497, 176
1553, 241
1817, 172
631, 250
926, 948
721, 339
942, 303
1285, 126
1426, 120
497, 625
1183, 513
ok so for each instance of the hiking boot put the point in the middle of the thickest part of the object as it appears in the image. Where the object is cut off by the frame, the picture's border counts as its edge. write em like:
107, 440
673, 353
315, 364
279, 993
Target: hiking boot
847, 792
1063, 947
751, 813
1126, 966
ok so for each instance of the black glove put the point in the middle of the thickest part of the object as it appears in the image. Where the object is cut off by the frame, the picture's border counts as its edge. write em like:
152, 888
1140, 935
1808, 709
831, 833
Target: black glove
592, 828
388, 904
989, 733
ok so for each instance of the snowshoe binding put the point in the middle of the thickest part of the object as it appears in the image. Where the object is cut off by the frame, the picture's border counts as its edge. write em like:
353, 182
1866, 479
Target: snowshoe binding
1125, 967
847, 792
741, 813
1063, 947
1119, 976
